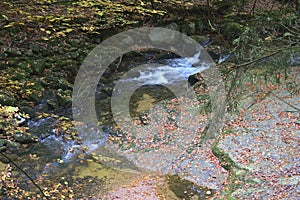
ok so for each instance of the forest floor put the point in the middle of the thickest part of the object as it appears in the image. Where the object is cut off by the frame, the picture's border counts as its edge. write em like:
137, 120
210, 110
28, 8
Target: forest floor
256, 156
260, 148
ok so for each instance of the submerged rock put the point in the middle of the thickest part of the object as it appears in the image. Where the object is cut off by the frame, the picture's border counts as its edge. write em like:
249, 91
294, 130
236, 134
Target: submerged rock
24, 138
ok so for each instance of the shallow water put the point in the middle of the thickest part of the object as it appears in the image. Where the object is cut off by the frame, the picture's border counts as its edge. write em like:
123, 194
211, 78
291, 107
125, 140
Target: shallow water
55, 157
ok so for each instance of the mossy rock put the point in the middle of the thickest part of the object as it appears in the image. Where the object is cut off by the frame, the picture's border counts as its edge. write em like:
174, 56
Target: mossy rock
75, 54
35, 48
224, 7
173, 26
29, 53
61, 50
232, 30
73, 68
188, 28
24, 66
2, 126
2, 142
3, 148
3, 56
38, 67
37, 91
13, 52
14, 146
45, 52
28, 110
24, 138
52, 104
64, 97
199, 24
6, 100
64, 84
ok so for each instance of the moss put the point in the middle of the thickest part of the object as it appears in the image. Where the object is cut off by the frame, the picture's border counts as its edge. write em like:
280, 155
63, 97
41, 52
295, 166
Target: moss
232, 30
224, 157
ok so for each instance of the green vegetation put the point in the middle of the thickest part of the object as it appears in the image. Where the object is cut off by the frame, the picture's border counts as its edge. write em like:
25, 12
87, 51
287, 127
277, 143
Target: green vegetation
44, 42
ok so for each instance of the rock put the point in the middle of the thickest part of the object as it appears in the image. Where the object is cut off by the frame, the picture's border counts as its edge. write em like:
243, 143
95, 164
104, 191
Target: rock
199, 25
188, 28
38, 67
38, 90
295, 59
29, 53
35, 48
98, 40
24, 138
13, 146
74, 41
3, 55
232, 30
64, 84
28, 110
6, 100
13, 52
2, 131
224, 7
208, 192
173, 26
61, 50
46, 52
75, 54
195, 78
64, 97
2, 142
52, 104
3, 148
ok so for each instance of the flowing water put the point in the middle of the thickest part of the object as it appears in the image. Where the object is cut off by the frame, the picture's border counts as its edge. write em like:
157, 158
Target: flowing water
57, 157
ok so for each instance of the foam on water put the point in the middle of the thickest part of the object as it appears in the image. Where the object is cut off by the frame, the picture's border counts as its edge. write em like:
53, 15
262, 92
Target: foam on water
174, 70
170, 72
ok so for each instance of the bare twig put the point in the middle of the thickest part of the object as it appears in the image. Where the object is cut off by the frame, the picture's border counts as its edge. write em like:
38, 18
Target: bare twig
253, 7
17, 166
263, 57
293, 32
284, 101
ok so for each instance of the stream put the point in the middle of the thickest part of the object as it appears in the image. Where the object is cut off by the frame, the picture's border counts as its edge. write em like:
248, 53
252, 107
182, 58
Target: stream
112, 165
